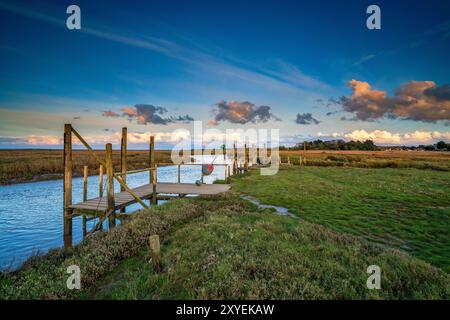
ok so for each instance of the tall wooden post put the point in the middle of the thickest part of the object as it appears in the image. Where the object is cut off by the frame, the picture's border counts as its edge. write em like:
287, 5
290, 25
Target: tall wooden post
154, 174
100, 181
235, 164
110, 185
245, 158
85, 197
179, 173
67, 185
123, 160
151, 157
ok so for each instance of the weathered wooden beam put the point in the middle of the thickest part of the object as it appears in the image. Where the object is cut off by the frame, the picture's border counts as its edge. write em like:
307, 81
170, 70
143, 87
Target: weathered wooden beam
245, 158
100, 181
151, 158
123, 157
123, 160
67, 185
110, 185
154, 179
155, 249
85, 190
235, 164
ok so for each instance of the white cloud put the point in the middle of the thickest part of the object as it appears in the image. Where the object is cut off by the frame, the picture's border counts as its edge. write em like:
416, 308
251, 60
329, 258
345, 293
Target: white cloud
387, 137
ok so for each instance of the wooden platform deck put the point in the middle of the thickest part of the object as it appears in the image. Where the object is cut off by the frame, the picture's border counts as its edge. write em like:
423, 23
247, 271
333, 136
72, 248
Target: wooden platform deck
124, 199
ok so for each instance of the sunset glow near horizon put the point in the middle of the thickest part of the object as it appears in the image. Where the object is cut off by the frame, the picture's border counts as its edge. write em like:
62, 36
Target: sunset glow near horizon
312, 70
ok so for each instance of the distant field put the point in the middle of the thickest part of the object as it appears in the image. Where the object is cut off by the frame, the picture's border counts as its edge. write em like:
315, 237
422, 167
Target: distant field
404, 208
372, 159
26, 165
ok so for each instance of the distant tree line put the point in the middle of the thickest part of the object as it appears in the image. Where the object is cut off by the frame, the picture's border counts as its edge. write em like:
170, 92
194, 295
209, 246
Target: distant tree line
367, 145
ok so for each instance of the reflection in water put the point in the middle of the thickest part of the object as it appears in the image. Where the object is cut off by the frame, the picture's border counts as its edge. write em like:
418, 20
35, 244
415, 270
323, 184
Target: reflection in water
278, 210
31, 214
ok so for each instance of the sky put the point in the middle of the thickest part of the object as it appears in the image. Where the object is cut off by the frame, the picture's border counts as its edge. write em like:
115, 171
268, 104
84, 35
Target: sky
311, 69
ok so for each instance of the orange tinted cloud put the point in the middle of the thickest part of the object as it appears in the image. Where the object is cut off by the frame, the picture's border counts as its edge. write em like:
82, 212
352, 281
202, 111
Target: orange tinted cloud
415, 100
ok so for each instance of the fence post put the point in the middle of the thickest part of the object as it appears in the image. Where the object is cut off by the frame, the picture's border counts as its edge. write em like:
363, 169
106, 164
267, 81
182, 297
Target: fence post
67, 185
110, 185
235, 164
155, 249
85, 188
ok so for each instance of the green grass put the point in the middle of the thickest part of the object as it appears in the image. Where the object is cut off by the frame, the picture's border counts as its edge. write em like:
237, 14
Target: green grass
403, 208
223, 247
235, 254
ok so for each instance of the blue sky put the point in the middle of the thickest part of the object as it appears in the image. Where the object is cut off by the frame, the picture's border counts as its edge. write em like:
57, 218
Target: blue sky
196, 57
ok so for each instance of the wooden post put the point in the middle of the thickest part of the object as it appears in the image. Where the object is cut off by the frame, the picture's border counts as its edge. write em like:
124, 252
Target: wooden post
155, 249
179, 174
110, 185
235, 165
304, 152
151, 157
245, 158
154, 175
100, 181
85, 189
123, 160
288, 160
100, 185
67, 185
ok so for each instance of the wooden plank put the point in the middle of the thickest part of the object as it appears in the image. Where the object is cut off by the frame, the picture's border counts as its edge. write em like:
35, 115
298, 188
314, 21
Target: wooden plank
163, 190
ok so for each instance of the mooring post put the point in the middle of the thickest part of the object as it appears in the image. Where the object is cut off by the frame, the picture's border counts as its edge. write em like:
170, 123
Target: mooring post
154, 174
85, 188
100, 185
235, 165
245, 158
151, 157
155, 249
100, 181
67, 185
123, 160
178, 175
110, 185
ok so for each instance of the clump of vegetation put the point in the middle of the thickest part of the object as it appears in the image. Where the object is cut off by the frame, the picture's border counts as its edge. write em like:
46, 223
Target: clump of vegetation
224, 247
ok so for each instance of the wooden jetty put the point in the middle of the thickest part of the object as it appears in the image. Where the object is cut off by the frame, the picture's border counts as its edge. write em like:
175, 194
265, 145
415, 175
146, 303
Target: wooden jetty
164, 191
110, 205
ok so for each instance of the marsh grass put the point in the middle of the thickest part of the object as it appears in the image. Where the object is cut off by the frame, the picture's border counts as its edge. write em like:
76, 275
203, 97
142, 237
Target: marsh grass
222, 247
25, 165
427, 160
407, 209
